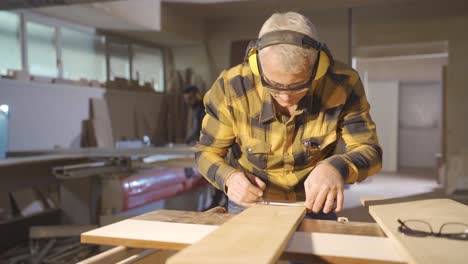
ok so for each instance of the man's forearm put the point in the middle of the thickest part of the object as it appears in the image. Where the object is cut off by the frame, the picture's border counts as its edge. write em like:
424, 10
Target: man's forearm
214, 168
358, 164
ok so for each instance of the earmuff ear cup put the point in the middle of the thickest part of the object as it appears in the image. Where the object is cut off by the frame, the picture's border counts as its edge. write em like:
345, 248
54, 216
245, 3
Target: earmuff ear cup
323, 64
253, 61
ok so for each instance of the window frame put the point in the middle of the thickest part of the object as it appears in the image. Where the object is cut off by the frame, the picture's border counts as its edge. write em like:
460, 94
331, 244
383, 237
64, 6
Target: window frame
31, 16
85, 30
23, 60
49, 22
112, 39
152, 46
115, 38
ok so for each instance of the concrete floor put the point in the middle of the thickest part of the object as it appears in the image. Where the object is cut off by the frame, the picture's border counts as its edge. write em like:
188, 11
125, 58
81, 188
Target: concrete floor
408, 183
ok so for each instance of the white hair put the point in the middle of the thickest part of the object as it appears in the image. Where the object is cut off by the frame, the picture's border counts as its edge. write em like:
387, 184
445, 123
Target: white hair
293, 59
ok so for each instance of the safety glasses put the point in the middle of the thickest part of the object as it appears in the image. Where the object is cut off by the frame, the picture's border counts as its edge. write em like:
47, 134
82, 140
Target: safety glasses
289, 89
286, 89
419, 228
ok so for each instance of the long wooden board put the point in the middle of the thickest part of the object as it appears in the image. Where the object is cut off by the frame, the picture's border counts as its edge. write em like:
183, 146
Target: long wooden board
424, 250
257, 235
146, 233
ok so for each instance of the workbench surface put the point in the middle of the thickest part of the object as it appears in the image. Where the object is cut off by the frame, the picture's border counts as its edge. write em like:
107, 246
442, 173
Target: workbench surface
207, 219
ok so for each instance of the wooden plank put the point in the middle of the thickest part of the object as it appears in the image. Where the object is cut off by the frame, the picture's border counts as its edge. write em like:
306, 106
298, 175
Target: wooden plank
215, 216
99, 109
347, 228
424, 250
246, 238
138, 257
159, 257
111, 256
335, 248
101, 123
147, 234
218, 217
366, 199
101, 132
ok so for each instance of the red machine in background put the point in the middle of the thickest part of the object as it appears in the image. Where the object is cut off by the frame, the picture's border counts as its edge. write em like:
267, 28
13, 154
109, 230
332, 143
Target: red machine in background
156, 184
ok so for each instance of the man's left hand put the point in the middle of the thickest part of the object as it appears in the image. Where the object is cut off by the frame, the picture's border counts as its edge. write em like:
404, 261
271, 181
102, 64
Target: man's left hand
323, 186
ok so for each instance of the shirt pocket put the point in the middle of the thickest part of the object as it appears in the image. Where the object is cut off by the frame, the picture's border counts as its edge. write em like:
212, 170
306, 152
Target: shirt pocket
313, 149
256, 151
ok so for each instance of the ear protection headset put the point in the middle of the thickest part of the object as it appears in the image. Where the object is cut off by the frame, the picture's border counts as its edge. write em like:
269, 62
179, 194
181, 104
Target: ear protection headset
324, 57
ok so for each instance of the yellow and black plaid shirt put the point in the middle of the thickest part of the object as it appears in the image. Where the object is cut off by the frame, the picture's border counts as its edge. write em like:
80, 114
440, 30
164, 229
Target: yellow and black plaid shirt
283, 153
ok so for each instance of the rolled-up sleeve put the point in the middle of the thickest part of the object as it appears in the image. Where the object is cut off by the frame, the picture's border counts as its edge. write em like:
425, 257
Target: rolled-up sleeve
216, 136
363, 155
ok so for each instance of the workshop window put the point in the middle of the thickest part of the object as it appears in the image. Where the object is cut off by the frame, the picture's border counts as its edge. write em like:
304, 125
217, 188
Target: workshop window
119, 60
148, 67
83, 55
42, 52
10, 50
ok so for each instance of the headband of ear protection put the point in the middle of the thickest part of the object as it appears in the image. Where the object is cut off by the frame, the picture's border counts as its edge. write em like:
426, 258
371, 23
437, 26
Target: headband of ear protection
324, 57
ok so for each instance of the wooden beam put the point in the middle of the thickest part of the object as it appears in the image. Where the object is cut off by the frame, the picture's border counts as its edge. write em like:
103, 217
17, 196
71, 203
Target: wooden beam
257, 235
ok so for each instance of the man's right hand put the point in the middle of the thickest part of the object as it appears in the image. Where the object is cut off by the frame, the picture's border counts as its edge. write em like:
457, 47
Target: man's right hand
241, 191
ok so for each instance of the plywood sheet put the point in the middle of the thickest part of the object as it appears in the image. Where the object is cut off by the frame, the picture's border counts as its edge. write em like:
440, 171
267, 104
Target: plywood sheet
424, 250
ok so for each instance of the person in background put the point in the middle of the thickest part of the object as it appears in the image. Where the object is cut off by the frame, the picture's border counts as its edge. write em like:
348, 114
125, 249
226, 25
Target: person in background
194, 99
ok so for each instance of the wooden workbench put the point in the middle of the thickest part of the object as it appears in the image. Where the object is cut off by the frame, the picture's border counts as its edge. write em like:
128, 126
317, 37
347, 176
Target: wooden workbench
215, 218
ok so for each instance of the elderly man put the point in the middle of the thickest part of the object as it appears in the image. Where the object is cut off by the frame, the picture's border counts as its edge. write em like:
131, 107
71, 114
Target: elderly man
285, 108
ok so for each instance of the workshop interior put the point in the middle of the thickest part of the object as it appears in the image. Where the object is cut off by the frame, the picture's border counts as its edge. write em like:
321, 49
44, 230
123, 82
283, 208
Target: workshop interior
105, 115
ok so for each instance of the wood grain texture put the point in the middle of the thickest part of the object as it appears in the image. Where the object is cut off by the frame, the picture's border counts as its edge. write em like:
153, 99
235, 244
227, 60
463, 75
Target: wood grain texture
148, 234
424, 250
307, 225
348, 228
303, 246
257, 235
315, 253
335, 248
186, 217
